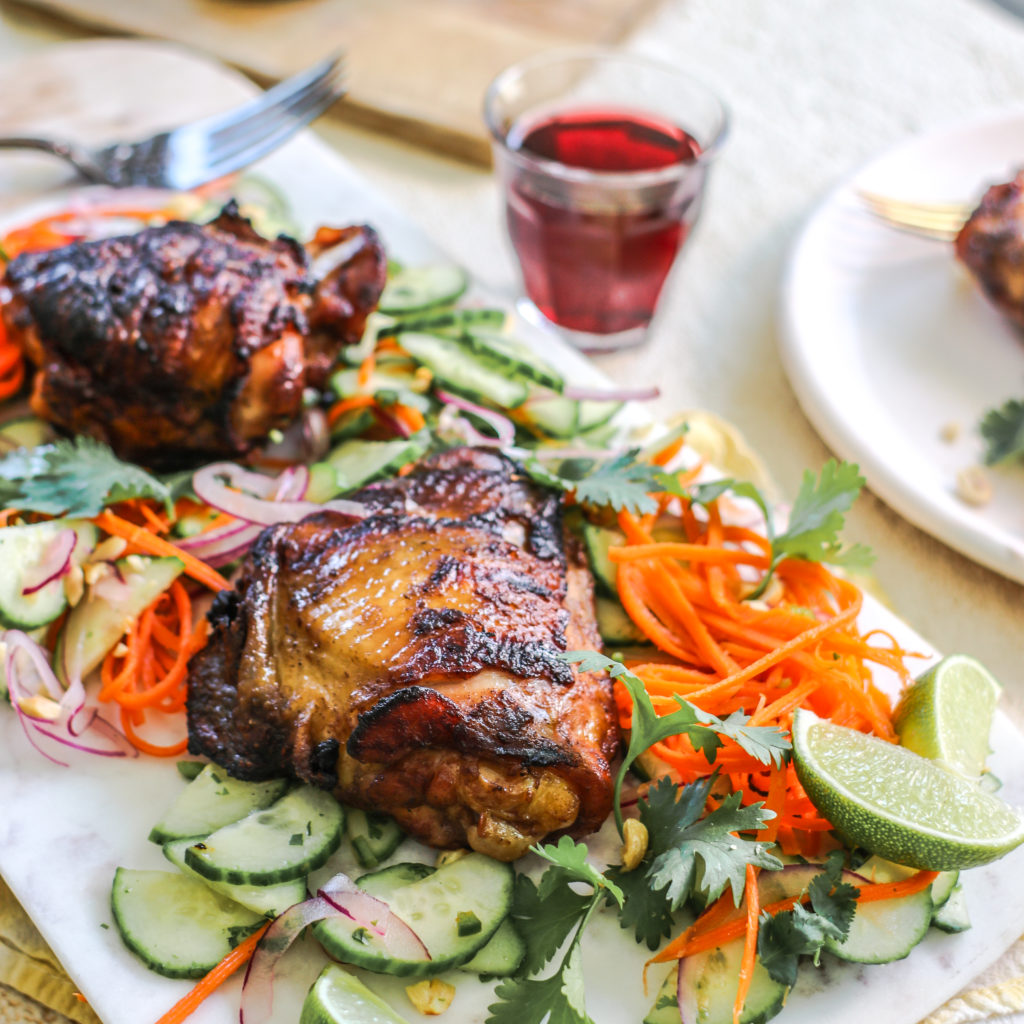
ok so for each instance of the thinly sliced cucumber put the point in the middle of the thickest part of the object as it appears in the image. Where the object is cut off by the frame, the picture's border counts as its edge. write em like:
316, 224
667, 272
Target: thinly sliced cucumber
885, 930
665, 1008
99, 621
212, 800
287, 840
952, 916
943, 886
615, 626
450, 321
24, 432
178, 926
708, 983
23, 550
458, 369
357, 463
597, 540
502, 956
555, 417
401, 384
374, 837
268, 900
596, 414
434, 907
412, 289
518, 359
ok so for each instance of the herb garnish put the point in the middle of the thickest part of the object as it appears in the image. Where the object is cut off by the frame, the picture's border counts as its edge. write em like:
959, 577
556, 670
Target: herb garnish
1003, 430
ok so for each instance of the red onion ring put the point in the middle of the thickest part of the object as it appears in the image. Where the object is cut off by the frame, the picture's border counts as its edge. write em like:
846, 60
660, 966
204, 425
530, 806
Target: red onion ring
611, 394
55, 564
206, 483
340, 897
505, 432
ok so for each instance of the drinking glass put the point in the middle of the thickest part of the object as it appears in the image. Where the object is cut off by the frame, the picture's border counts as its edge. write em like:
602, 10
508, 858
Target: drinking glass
603, 158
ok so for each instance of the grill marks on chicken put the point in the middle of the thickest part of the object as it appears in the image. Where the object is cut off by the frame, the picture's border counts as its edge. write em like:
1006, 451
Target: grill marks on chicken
991, 246
186, 342
409, 661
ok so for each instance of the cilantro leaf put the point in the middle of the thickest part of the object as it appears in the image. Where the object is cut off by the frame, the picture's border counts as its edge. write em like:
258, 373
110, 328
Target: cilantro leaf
833, 899
558, 998
703, 729
647, 912
570, 865
1003, 431
547, 920
620, 483
722, 855
74, 478
705, 494
818, 515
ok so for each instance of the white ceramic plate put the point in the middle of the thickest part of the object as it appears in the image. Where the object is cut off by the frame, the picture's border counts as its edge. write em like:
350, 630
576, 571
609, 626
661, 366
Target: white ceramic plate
886, 341
64, 830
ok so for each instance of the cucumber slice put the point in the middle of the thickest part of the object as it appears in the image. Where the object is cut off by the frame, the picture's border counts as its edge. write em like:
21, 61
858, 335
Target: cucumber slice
458, 369
503, 955
886, 930
267, 900
518, 359
665, 1008
708, 982
596, 414
22, 551
412, 289
952, 916
943, 886
615, 626
97, 623
555, 417
352, 424
212, 800
177, 926
431, 906
374, 837
451, 321
401, 384
357, 463
24, 432
597, 540
287, 840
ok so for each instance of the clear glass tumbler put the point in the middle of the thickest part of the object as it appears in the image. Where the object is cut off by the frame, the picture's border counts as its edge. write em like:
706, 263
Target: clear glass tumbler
603, 158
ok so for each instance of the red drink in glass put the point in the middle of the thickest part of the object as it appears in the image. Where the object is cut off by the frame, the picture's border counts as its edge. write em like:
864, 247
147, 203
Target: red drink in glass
603, 157
594, 261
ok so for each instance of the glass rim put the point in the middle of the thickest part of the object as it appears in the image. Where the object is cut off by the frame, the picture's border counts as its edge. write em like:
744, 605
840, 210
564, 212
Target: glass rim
583, 175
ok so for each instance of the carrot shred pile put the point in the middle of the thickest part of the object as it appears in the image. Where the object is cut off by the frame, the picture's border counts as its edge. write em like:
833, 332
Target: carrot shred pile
799, 646
149, 669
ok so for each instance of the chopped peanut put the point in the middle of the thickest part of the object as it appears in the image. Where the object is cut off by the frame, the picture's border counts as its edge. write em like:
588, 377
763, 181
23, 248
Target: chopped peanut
40, 706
634, 844
431, 997
449, 857
973, 486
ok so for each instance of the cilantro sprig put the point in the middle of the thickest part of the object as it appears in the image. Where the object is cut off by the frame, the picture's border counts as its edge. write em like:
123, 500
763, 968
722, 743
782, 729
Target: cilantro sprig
623, 483
74, 478
1003, 432
704, 730
550, 913
786, 936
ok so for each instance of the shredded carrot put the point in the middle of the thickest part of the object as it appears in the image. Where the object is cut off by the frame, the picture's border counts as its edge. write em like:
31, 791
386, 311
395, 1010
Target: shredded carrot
408, 416
149, 543
749, 944
241, 954
366, 368
339, 409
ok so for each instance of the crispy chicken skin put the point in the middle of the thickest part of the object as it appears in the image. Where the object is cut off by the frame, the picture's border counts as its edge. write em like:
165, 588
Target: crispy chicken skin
187, 342
409, 660
991, 246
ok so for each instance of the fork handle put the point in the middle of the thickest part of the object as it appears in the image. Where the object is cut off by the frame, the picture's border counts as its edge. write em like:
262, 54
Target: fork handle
78, 156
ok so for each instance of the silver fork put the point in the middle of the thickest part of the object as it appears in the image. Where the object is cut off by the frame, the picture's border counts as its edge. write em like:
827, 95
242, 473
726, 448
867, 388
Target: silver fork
205, 150
929, 220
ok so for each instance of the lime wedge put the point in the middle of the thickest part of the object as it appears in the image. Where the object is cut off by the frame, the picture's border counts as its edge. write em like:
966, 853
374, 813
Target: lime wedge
946, 714
338, 997
898, 804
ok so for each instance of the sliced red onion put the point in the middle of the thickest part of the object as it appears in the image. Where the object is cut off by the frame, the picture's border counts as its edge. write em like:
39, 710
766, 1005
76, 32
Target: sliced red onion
208, 487
505, 432
316, 433
55, 564
610, 394
63, 728
340, 897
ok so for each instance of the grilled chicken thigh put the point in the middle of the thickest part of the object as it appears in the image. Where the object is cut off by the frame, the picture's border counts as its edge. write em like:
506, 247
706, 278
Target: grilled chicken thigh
187, 342
408, 660
991, 246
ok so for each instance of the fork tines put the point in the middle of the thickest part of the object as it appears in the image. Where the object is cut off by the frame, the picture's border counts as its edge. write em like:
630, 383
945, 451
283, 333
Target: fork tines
932, 220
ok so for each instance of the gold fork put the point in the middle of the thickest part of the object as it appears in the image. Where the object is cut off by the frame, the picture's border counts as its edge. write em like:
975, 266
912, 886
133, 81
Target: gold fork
930, 220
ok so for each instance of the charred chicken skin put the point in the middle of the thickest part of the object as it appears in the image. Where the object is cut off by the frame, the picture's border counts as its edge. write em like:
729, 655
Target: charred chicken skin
409, 661
186, 343
991, 246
